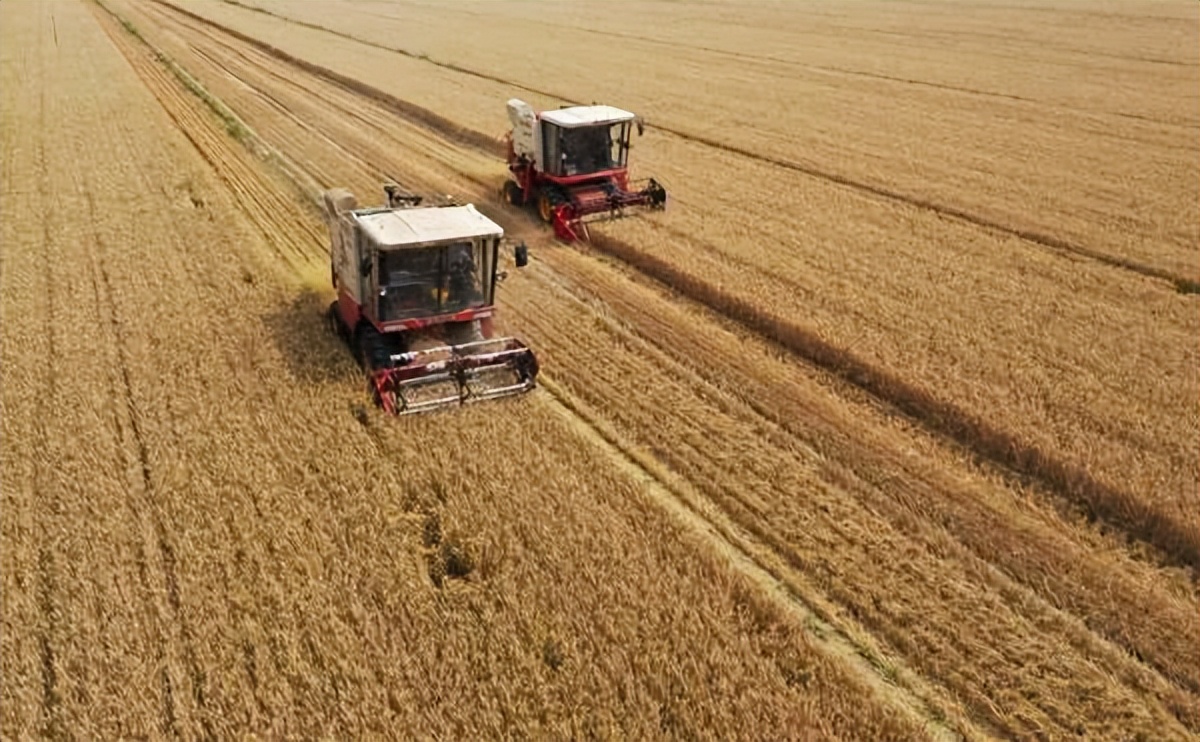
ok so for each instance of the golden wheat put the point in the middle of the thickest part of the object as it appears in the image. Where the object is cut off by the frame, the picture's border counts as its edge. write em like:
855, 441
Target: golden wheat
689, 531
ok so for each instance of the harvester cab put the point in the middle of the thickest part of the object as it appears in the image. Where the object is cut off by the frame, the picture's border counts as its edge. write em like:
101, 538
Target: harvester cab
572, 163
415, 301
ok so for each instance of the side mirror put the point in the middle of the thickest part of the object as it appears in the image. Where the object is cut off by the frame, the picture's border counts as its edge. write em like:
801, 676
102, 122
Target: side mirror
641, 125
501, 276
521, 255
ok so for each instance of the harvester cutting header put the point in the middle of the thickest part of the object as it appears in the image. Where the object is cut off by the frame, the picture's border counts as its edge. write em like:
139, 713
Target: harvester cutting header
572, 163
415, 300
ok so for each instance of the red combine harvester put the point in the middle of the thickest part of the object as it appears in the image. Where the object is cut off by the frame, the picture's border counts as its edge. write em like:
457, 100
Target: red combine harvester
572, 163
416, 288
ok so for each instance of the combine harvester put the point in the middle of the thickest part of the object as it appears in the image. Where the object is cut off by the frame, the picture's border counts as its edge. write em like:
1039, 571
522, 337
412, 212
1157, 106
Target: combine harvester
415, 301
572, 163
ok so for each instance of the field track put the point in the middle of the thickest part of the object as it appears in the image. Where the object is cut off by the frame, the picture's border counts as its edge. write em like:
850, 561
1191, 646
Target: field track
749, 500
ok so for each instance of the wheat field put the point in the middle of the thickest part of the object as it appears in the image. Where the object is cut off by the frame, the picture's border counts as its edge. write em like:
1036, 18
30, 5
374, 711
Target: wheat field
884, 429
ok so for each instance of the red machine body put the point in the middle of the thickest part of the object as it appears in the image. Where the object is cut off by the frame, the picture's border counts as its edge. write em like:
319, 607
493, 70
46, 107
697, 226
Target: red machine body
572, 163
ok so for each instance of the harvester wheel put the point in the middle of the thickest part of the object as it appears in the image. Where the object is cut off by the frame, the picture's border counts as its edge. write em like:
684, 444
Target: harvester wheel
513, 193
546, 204
335, 321
369, 347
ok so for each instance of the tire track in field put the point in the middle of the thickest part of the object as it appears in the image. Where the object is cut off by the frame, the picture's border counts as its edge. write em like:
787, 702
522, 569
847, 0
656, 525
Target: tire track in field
53, 726
45, 586
147, 496
142, 496
474, 138
137, 501
118, 379
1138, 517
759, 563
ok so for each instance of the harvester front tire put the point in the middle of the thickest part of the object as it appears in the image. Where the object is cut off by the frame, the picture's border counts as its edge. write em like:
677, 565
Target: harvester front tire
545, 206
513, 194
369, 348
335, 321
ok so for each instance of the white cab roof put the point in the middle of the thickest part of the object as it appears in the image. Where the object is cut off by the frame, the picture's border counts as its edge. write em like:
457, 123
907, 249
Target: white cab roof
586, 116
400, 227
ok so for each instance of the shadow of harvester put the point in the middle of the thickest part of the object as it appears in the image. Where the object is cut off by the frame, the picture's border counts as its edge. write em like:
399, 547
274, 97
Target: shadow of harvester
312, 353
